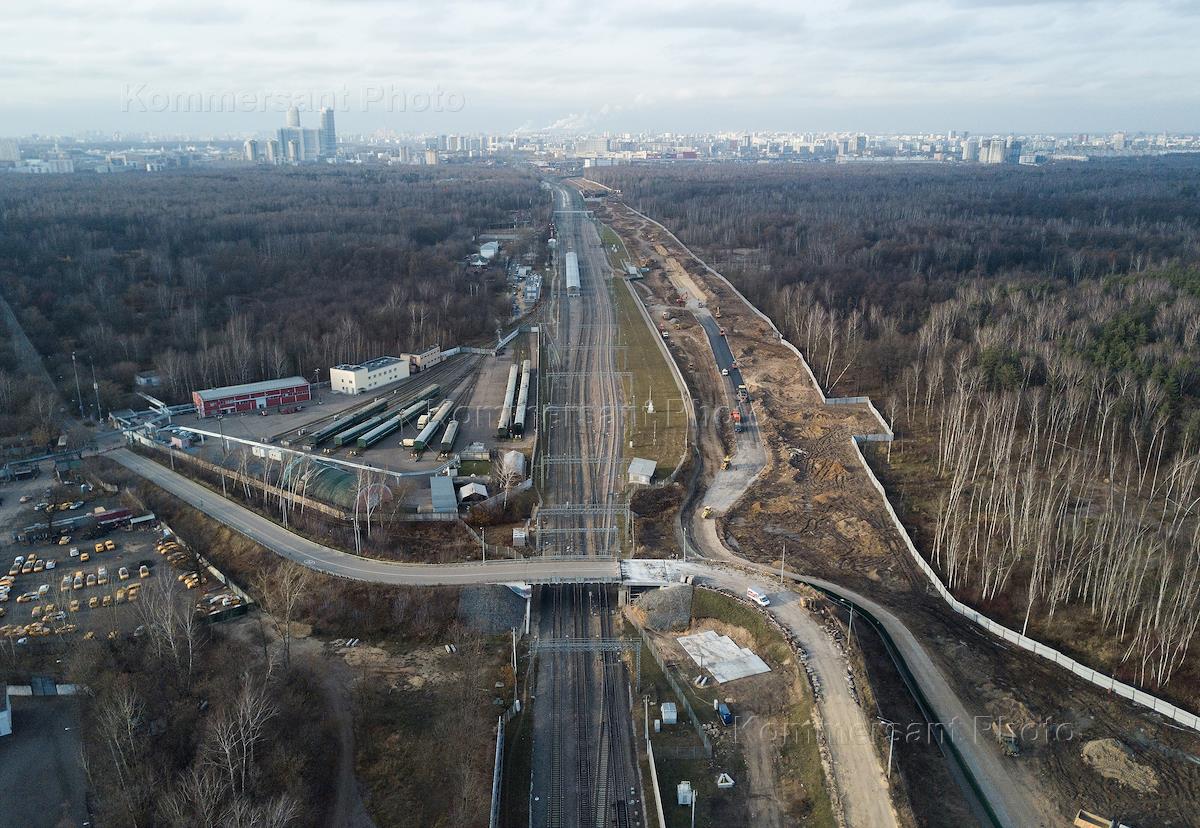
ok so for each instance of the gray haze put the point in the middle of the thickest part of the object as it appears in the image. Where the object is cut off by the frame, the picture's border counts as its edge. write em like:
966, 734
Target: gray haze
1053, 65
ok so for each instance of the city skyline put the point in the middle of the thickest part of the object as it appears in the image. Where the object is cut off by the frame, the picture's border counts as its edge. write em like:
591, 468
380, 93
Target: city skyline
993, 65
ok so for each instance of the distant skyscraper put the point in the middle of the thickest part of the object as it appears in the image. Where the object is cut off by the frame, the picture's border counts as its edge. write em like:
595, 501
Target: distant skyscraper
328, 134
274, 155
251, 151
9, 151
293, 117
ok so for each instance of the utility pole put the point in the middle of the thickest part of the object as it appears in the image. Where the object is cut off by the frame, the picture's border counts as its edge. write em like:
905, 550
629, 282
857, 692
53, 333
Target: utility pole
782, 561
96, 389
78, 393
483, 541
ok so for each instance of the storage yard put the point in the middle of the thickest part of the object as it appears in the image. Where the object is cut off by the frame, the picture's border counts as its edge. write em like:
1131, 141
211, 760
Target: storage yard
87, 582
408, 429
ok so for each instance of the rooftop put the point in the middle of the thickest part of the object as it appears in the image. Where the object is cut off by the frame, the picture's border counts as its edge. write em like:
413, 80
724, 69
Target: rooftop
370, 365
642, 467
209, 394
441, 489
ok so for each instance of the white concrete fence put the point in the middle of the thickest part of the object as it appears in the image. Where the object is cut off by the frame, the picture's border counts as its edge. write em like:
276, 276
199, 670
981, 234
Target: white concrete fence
1089, 674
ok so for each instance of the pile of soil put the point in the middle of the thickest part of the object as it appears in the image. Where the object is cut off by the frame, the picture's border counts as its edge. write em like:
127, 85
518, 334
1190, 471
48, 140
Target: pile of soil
1113, 760
669, 608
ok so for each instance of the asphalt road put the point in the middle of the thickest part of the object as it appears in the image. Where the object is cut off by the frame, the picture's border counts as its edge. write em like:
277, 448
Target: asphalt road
749, 457
334, 562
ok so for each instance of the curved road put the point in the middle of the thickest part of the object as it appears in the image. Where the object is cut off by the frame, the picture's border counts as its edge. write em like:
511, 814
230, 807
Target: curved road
334, 562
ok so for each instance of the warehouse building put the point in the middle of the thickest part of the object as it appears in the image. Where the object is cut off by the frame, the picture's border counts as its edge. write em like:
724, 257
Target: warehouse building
427, 358
372, 374
253, 396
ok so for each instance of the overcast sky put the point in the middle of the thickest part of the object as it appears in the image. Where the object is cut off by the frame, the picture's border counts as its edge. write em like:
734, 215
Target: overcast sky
499, 65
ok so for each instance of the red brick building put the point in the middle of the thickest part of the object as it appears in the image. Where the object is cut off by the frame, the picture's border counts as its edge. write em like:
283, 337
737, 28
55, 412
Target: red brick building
253, 396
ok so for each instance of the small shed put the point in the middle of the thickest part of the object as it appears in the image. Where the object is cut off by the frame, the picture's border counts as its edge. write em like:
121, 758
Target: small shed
472, 493
514, 464
641, 471
683, 793
441, 490
670, 715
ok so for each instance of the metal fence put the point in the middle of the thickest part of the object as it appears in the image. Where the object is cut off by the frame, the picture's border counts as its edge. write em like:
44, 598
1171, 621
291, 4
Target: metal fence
680, 695
1089, 674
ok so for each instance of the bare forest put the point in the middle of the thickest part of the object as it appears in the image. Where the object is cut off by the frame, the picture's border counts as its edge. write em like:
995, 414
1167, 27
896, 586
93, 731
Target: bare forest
1033, 334
216, 278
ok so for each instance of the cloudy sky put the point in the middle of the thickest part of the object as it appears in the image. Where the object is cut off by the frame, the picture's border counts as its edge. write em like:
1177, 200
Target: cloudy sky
221, 67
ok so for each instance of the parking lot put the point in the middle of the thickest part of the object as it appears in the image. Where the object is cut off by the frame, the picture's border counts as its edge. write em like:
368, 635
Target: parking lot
88, 584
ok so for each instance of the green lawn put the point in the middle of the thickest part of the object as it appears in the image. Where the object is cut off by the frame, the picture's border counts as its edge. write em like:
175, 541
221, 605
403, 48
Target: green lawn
660, 436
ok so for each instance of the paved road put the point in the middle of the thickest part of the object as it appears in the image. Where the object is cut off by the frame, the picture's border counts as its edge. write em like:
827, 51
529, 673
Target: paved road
749, 456
333, 562
857, 770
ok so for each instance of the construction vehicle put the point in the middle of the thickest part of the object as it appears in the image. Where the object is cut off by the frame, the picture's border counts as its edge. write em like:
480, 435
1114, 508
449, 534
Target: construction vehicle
725, 463
717, 313
743, 393
1007, 737
708, 510
1087, 820
736, 416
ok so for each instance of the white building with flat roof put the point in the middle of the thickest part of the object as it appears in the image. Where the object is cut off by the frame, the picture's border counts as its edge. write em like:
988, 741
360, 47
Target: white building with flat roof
369, 375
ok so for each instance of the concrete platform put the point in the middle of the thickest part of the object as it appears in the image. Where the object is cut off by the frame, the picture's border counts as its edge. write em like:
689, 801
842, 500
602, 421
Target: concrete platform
722, 657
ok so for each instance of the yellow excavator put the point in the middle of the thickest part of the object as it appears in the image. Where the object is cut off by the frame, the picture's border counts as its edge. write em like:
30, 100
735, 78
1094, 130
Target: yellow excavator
725, 463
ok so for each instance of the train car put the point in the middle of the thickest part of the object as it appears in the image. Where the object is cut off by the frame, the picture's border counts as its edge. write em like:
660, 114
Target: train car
518, 423
379, 432
504, 425
448, 437
436, 420
344, 422
572, 274
348, 436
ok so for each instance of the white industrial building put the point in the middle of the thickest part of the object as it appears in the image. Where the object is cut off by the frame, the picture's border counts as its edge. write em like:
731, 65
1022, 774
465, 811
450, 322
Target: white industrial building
369, 375
427, 358
5, 712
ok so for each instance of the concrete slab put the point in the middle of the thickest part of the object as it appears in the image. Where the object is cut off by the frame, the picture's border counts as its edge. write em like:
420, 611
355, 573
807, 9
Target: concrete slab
722, 657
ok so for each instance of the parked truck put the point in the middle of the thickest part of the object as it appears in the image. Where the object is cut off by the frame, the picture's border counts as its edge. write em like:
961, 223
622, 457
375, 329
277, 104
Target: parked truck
736, 416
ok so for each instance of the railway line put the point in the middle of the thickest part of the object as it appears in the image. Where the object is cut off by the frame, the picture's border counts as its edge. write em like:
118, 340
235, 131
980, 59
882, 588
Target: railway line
584, 768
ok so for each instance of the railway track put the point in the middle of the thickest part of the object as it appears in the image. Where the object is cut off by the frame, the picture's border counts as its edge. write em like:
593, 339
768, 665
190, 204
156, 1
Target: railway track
585, 761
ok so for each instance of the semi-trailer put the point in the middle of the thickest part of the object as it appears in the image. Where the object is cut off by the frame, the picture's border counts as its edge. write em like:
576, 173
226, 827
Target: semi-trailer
504, 425
518, 424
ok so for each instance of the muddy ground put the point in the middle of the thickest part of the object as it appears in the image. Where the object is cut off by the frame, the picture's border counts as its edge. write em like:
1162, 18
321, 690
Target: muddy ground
815, 498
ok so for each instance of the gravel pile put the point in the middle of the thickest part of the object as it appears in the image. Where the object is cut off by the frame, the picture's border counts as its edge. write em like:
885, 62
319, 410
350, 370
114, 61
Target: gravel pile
666, 609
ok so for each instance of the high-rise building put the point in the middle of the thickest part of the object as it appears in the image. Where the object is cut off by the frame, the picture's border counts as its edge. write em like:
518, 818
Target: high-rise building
328, 134
9, 151
293, 117
251, 151
273, 152
299, 145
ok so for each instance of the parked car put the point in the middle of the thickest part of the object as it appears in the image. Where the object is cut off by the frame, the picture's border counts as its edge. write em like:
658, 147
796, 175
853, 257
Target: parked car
50, 564
64, 540
77, 581
758, 597
109, 545
74, 552
123, 573
143, 571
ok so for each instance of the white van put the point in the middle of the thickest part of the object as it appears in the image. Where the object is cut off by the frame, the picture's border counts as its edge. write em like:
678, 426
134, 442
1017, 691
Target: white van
757, 597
